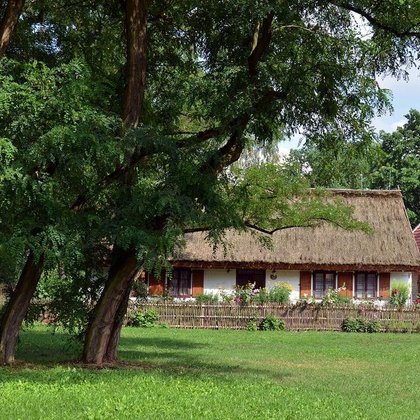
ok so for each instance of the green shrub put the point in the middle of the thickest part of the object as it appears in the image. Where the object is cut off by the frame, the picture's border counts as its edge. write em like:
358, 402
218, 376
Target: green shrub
244, 294
373, 326
271, 323
207, 298
351, 324
261, 296
400, 293
147, 319
333, 297
251, 325
280, 293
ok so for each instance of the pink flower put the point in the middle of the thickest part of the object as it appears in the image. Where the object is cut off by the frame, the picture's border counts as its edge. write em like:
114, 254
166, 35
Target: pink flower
46, 321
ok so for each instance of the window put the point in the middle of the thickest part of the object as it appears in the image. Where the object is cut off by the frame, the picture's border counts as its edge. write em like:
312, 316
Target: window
180, 283
366, 285
243, 277
323, 281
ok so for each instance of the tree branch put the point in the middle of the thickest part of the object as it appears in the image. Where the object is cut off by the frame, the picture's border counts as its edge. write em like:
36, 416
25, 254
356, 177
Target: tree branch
228, 153
374, 21
261, 45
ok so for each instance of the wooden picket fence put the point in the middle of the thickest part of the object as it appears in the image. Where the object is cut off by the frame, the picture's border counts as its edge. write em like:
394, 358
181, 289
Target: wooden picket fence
296, 317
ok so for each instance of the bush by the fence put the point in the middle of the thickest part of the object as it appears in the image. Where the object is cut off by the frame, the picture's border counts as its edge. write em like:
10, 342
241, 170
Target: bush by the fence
268, 323
272, 323
207, 298
142, 319
359, 324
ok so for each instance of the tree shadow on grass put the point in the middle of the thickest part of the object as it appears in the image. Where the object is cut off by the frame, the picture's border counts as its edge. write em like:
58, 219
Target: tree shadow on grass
46, 346
161, 342
45, 358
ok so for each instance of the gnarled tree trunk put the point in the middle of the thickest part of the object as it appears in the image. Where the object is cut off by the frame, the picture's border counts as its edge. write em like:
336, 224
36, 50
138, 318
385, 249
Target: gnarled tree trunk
8, 23
114, 340
18, 306
101, 329
103, 333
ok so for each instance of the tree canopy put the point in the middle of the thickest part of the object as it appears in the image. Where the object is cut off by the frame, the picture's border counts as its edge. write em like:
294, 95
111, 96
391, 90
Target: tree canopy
120, 121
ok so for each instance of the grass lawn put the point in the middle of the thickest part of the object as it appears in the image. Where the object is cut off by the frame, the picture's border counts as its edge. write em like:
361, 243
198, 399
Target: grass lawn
182, 374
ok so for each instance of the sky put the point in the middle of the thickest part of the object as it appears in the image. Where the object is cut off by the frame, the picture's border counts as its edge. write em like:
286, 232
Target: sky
405, 95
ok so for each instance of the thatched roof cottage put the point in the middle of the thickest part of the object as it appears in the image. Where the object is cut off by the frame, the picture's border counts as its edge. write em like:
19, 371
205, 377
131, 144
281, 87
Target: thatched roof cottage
312, 260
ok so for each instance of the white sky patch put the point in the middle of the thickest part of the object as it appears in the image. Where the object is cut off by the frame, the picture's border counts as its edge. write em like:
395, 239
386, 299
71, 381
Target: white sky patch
397, 124
405, 96
282, 151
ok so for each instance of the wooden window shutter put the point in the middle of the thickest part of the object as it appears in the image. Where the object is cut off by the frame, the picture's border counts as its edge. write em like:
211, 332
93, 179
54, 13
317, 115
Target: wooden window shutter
384, 285
197, 282
157, 286
305, 283
347, 280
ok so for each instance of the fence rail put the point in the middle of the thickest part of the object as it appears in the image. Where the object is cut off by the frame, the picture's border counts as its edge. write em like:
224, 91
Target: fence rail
296, 318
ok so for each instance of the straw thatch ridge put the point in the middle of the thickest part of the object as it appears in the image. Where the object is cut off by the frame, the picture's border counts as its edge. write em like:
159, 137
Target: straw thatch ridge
390, 247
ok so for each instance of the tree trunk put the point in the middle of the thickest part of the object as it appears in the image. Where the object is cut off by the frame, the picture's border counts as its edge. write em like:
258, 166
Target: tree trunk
18, 306
114, 340
101, 328
8, 23
103, 333
136, 33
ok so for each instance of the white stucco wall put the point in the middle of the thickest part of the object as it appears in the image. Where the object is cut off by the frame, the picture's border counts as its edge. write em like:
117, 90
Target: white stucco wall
290, 276
215, 279
405, 278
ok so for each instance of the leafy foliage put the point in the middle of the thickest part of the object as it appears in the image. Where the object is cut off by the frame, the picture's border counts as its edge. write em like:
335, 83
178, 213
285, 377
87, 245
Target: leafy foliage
333, 296
271, 323
207, 298
146, 319
400, 293
359, 324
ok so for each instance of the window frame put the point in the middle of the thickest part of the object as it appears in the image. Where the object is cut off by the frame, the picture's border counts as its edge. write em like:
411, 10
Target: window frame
170, 285
365, 293
324, 289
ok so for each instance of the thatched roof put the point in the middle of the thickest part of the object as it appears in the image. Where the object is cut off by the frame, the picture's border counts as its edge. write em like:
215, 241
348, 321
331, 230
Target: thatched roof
390, 247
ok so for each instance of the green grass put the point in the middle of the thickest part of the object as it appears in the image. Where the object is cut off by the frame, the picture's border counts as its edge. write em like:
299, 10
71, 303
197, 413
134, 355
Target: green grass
182, 374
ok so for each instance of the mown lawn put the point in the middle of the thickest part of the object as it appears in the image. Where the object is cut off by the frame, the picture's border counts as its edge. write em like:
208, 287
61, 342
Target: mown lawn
182, 374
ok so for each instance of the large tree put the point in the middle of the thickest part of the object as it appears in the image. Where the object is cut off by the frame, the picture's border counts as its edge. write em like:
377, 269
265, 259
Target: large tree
219, 75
